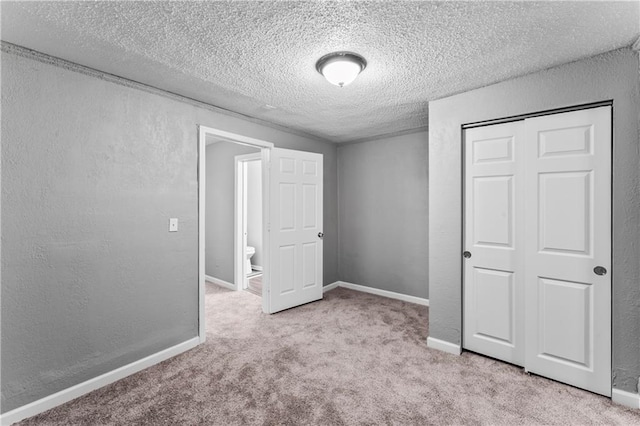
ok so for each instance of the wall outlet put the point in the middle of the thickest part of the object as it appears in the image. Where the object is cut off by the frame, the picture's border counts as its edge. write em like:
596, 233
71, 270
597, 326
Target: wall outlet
173, 224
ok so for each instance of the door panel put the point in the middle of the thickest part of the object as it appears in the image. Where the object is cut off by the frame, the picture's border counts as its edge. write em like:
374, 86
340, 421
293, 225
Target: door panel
565, 321
494, 305
565, 141
309, 266
493, 216
296, 221
565, 203
310, 206
568, 233
493, 293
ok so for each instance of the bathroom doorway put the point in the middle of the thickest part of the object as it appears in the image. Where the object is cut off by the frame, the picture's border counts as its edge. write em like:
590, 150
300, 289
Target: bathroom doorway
248, 224
292, 219
221, 252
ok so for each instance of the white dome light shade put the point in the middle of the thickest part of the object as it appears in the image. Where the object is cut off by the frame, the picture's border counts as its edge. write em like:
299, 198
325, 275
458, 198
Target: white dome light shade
341, 68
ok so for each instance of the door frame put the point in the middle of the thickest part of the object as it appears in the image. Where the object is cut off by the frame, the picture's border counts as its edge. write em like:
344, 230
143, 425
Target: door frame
265, 154
240, 222
522, 117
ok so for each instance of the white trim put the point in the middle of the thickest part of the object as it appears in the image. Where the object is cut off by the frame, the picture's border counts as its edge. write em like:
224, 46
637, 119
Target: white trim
384, 293
258, 268
266, 230
441, 345
80, 389
221, 283
238, 222
235, 138
202, 181
386, 136
240, 217
628, 399
331, 286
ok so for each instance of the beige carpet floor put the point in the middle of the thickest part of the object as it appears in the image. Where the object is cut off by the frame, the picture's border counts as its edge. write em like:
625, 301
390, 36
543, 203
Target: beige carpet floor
349, 359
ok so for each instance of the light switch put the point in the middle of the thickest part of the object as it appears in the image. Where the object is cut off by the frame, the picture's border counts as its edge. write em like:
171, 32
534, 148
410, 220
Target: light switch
173, 224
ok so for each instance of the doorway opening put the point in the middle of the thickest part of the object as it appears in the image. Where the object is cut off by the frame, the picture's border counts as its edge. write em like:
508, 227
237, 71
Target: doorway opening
234, 252
292, 219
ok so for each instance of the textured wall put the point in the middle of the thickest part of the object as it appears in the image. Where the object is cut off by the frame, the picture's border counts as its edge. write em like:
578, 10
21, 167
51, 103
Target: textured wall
220, 208
91, 172
92, 279
254, 210
612, 75
383, 205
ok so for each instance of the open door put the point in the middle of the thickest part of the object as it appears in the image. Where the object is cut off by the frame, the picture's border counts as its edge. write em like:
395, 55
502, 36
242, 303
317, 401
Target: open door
295, 211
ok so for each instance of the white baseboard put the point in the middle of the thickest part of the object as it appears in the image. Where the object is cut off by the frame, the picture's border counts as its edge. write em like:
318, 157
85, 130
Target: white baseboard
330, 287
221, 283
441, 345
628, 399
257, 267
80, 389
383, 293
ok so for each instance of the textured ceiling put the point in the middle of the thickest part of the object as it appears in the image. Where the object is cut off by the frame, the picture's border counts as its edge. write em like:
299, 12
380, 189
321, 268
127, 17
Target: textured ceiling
242, 56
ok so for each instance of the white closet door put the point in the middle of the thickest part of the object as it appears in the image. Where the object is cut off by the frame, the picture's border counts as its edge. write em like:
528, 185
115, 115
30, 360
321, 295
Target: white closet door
296, 228
493, 278
568, 234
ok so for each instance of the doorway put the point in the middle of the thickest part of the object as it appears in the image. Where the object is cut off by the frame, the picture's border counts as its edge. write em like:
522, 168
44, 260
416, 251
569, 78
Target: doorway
248, 223
537, 241
292, 220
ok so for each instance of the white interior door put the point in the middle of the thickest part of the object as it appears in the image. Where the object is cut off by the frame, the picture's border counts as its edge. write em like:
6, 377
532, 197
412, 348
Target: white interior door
295, 210
493, 274
568, 235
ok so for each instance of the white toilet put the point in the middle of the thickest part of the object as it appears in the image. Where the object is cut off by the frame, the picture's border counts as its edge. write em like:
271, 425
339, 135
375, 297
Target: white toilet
247, 264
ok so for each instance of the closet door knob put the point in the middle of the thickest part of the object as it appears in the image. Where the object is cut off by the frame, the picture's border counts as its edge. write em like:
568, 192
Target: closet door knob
320, 235
600, 270
466, 254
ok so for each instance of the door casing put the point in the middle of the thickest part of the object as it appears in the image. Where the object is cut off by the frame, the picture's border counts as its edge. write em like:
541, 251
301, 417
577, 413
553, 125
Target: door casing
240, 222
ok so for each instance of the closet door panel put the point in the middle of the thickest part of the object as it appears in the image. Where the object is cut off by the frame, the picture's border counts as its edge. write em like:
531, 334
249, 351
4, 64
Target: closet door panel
493, 293
568, 235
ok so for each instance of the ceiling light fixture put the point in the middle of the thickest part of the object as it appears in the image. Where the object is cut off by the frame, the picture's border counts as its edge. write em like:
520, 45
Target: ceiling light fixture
341, 68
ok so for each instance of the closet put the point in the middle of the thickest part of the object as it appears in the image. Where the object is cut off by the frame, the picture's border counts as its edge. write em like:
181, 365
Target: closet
537, 245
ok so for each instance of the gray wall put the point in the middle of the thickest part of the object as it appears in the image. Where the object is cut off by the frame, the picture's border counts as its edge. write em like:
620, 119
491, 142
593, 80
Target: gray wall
383, 208
92, 168
220, 208
254, 210
612, 75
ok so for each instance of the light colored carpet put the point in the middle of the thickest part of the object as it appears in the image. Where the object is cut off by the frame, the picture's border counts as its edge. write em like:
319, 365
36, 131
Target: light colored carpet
352, 358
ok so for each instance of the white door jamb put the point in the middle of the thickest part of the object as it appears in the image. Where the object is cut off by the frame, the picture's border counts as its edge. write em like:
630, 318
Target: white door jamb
240, 224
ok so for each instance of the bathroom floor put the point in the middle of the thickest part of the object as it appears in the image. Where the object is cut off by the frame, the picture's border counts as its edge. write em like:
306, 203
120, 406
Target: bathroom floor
255, 284
254, 272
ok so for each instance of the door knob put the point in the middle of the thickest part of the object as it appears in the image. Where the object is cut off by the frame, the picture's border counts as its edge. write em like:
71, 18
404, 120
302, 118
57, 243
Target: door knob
320, 235
600, 270
466, 254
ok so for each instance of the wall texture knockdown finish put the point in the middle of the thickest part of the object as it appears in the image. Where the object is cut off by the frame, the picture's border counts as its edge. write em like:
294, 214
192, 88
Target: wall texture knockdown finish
92, 168
384, 215
610, 76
